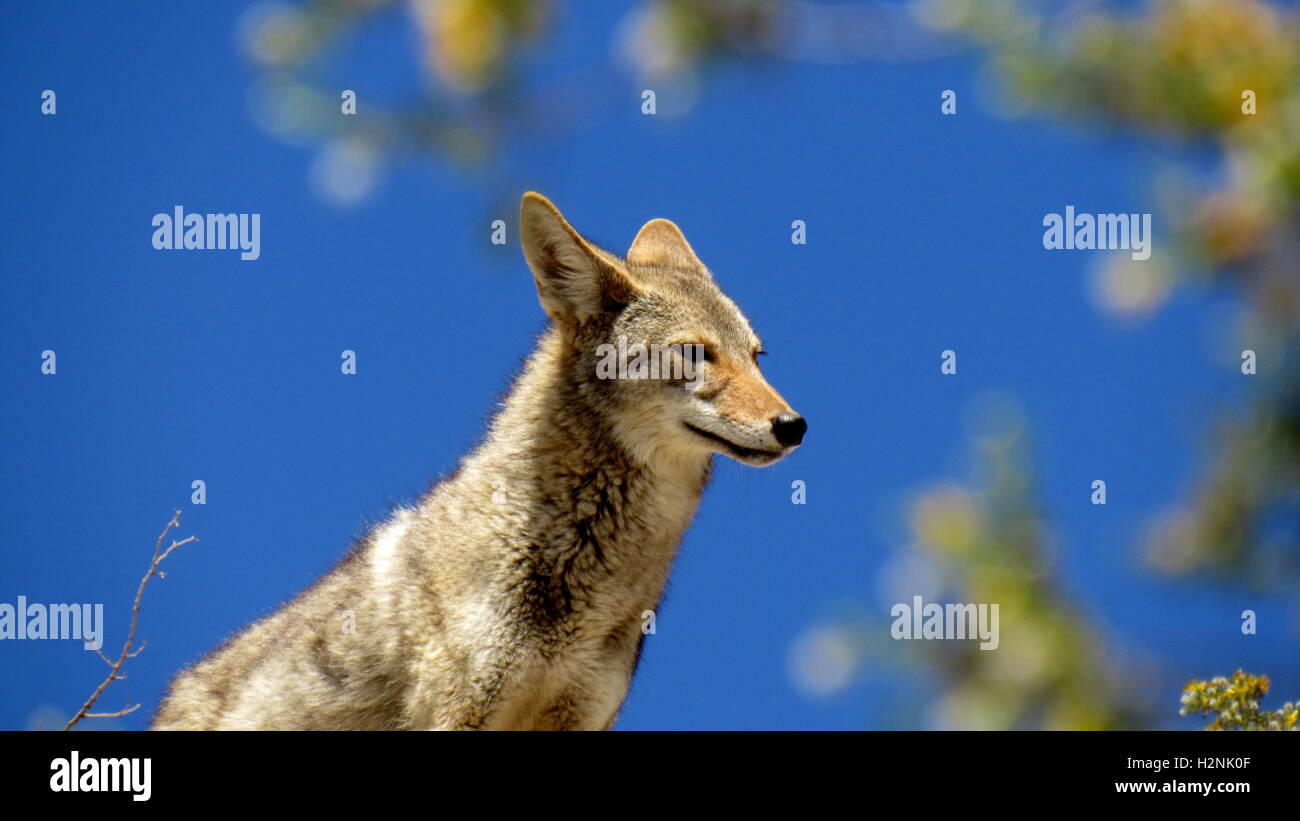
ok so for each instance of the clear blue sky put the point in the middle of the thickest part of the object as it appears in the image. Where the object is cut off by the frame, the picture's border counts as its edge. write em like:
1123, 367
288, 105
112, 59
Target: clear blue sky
924, 233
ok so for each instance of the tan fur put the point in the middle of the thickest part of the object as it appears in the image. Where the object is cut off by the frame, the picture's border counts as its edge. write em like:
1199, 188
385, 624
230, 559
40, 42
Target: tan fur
512, 595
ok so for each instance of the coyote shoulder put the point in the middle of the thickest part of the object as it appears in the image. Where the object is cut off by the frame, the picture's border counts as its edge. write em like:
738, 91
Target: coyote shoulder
511, 596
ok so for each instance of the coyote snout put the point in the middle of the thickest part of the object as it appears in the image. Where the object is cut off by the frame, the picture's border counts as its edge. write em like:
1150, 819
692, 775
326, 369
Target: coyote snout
745, 418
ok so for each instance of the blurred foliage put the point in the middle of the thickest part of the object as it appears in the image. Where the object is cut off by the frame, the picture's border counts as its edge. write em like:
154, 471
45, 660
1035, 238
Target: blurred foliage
481, 92
467, 53
1175, 72
467, 42
1235, 704
987, 542
1188, 74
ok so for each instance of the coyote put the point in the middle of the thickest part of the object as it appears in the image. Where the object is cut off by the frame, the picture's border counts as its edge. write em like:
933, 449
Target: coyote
513, 594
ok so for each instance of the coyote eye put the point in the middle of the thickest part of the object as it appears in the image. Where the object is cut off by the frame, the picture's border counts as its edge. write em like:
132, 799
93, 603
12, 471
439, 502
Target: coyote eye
696, 352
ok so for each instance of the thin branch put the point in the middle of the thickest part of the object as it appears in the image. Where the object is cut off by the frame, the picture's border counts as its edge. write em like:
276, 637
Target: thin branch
118, 714
129, 650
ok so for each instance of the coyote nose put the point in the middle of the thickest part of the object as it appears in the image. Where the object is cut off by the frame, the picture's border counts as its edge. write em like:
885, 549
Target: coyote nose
789, 428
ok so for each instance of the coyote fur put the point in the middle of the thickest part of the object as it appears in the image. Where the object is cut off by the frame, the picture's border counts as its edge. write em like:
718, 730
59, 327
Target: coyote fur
513, 594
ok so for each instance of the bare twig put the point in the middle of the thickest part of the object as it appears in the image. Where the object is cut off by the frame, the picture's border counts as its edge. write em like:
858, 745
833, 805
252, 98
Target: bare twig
129, 651
118, 714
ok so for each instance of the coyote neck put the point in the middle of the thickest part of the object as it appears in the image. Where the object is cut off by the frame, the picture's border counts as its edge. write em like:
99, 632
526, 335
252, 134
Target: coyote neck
581, 508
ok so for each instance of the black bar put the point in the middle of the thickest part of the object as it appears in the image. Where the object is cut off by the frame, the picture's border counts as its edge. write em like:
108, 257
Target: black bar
328, 770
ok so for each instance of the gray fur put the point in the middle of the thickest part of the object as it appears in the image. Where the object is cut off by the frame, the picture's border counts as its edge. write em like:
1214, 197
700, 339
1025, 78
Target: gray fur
512, 596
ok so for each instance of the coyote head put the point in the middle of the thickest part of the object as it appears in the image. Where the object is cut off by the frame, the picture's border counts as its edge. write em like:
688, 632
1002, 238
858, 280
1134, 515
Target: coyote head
695, 387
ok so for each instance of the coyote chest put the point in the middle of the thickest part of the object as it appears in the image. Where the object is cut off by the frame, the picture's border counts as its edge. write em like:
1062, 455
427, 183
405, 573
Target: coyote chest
575, 678
564, 599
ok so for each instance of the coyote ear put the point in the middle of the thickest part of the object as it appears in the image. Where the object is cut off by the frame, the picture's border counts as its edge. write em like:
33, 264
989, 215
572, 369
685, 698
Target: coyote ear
660, 243
575, 279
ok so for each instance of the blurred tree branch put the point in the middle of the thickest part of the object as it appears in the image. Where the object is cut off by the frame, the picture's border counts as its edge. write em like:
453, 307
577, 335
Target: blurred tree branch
1177, 72
988, 542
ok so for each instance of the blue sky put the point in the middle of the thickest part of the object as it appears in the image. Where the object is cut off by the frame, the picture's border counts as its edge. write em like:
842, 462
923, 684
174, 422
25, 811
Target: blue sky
924, 234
